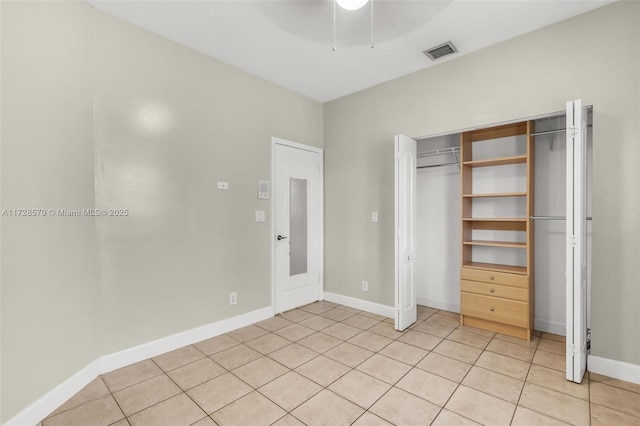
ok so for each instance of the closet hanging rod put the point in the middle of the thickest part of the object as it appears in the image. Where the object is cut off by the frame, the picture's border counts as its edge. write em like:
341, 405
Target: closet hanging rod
437, 165
549, 132
553, 218
441, 151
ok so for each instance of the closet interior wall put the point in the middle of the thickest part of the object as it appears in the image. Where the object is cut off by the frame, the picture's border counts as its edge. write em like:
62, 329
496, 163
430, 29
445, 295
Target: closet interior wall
437, 273
550, 199
437, 266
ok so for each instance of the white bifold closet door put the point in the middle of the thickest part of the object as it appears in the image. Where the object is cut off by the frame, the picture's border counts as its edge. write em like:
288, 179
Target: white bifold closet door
576, 241
406, 303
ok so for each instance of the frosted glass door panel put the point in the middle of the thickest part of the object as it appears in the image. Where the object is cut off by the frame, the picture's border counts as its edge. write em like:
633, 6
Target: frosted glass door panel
298, 226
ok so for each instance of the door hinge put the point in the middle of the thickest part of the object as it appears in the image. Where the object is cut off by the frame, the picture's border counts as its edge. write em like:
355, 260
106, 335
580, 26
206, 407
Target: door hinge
572, 240
572, 350
397, 232
588, 338
572, 131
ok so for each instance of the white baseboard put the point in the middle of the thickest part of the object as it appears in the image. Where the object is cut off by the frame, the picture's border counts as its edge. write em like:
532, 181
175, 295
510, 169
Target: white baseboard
363, 305
42, 407
439, 304
550, 327
39, 409
166, 344
617, 369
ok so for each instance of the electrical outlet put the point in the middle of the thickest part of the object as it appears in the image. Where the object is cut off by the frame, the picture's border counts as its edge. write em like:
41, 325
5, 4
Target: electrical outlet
233, 298
365, 285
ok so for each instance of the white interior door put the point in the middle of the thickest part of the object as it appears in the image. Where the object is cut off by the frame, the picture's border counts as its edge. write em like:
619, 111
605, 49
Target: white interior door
405, 212
576, 271
297, 224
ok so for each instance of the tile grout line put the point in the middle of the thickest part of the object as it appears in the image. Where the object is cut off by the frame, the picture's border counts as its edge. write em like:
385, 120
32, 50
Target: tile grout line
524, 382
366, 410
360, 330
183, 391
461, 380
290, 412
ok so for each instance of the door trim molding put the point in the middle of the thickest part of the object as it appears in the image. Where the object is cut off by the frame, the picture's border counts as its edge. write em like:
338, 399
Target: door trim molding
272, 211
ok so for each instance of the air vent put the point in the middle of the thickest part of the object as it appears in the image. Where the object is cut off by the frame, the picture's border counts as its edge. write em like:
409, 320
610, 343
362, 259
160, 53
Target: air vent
441, 50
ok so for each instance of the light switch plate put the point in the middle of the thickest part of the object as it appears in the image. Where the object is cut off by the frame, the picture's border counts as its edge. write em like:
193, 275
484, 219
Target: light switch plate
260, 216
223, 185
374, 217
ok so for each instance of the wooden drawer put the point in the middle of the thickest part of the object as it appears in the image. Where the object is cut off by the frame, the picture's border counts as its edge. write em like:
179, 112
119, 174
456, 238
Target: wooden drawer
495, 309
495, 290
494, 277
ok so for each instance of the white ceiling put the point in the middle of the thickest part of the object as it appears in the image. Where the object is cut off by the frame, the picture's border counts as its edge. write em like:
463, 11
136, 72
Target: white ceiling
290, 42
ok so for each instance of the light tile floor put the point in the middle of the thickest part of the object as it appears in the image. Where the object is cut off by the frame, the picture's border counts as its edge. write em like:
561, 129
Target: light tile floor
325, 364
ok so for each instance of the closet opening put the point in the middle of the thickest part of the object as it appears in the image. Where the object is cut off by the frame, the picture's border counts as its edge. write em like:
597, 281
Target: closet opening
438, 217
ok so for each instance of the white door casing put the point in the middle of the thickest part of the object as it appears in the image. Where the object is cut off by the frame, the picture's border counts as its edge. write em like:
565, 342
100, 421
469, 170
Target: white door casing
405, 213
576, 237
297, 252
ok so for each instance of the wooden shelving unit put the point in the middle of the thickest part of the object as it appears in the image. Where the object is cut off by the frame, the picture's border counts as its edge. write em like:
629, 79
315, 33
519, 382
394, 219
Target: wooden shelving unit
496, 296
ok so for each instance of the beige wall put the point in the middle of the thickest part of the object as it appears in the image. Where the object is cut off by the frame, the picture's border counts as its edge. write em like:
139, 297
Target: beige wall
98, 113
595, 57
49, 267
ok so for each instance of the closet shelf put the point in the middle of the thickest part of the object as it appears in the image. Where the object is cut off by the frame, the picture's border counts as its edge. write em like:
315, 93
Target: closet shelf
496, 161
496, 224
494, 219
522, 270
498, 194
495, 243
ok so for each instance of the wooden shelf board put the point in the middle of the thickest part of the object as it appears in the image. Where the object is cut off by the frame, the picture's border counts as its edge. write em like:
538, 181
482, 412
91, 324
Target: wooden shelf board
495, 219
522, 270
495, 243
497, 132
497, 194
496, 224
496, 161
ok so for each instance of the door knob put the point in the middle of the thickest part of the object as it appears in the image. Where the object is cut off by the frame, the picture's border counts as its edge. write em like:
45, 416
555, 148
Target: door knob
280, 237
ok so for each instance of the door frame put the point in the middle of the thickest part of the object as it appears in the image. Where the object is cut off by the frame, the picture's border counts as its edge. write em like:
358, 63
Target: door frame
272, 231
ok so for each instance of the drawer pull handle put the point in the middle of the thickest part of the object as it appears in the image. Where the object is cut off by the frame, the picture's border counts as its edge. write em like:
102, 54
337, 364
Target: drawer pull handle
491, 277
491, 290
491, 309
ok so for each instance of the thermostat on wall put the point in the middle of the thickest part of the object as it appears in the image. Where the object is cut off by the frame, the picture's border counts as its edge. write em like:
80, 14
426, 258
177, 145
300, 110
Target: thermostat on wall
263, 189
